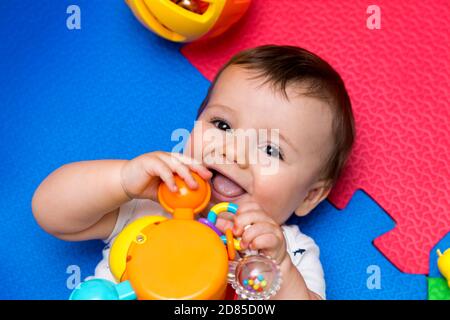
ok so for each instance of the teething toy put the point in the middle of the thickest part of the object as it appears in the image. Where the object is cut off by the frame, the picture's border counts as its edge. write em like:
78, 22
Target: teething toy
255, 277
188, 20
181, 258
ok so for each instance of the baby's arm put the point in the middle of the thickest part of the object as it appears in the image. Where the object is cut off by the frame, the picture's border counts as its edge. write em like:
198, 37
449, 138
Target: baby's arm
80, 201
294, 286
302, 273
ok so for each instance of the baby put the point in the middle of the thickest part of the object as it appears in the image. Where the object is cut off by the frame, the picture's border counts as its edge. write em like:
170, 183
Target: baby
302, 104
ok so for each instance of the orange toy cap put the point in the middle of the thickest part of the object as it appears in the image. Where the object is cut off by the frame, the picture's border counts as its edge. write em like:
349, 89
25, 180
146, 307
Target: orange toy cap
186, 201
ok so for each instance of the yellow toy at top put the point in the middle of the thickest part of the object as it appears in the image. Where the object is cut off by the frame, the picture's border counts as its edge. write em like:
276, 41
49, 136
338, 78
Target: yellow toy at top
444, 264
188, 20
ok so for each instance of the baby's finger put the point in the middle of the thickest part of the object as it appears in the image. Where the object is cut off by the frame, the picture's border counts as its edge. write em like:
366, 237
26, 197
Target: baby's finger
257, 230
181, 169
223, 224
250, 217
163, 171
194, 165
266, 242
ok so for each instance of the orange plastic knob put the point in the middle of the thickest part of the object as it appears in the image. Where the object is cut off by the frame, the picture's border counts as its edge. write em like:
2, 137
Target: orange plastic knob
185, 198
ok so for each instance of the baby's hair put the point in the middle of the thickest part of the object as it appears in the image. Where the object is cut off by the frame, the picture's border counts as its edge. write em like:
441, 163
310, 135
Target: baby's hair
282, 66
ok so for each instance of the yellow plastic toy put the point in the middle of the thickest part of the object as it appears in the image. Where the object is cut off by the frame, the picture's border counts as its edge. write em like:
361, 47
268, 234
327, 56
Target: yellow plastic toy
444, 264
188, 20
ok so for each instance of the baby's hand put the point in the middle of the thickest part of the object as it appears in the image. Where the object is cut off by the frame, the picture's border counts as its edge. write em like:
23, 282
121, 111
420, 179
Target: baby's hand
141, 176
259, 232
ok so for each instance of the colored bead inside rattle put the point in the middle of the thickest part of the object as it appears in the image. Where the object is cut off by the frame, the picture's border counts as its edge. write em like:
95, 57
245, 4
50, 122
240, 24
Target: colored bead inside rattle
255, 283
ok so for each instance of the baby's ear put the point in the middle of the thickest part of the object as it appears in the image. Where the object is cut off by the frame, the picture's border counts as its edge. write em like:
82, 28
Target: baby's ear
318, 192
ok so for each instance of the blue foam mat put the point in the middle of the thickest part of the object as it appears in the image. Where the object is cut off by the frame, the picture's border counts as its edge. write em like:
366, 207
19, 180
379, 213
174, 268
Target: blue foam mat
348, 256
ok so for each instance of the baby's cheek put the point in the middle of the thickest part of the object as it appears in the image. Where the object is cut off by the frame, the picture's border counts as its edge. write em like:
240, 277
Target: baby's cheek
272, 196
280, 194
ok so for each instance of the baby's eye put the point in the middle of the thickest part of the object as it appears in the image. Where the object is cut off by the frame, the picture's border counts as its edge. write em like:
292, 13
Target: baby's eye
273, 151
221, 124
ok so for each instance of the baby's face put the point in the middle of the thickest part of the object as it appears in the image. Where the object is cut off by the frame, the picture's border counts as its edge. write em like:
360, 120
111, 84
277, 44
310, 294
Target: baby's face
295, 158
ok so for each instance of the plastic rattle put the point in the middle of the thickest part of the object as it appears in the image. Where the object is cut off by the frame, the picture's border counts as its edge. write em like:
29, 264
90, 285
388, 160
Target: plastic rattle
181, 258
444, 264
188, 20
231, 243
254, 277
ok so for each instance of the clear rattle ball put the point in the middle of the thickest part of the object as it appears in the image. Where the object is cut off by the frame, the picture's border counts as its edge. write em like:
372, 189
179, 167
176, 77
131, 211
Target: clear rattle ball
255, 277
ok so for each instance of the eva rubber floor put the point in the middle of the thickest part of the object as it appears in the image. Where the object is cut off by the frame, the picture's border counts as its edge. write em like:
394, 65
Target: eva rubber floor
115, 90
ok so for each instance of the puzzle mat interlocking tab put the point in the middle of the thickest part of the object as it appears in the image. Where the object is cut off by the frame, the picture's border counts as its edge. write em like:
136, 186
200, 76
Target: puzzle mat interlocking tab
354, 269
398, 80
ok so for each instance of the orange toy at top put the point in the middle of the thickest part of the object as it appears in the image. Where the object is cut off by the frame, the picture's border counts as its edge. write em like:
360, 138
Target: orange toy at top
188, 20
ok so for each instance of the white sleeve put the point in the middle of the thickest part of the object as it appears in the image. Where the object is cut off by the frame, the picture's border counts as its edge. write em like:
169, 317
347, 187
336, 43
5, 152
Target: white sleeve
305, 255
126, 212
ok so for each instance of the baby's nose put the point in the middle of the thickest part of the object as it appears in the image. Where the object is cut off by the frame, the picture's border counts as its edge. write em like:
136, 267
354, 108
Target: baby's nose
236, 150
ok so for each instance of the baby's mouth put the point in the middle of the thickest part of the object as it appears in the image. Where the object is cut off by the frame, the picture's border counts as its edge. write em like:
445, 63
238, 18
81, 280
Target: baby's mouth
224, 188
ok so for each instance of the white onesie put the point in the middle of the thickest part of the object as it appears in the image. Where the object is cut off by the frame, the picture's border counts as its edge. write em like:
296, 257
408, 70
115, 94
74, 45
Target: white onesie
302, 249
